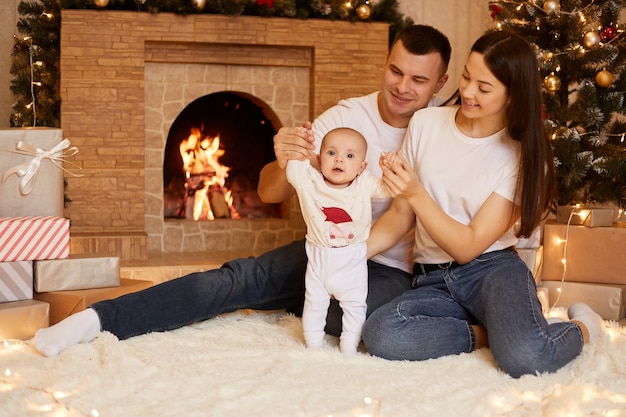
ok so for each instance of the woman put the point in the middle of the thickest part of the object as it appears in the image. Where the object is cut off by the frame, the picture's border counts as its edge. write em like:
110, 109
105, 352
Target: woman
465, 175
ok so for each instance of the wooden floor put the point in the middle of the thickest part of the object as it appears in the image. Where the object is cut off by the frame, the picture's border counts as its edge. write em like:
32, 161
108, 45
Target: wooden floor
160, 267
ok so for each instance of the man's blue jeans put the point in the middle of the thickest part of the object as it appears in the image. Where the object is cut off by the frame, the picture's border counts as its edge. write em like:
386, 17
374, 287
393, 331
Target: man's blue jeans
496, 290
274, 280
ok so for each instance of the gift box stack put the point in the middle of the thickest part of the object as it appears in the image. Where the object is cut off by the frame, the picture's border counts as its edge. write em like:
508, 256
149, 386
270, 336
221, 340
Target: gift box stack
40, 283
584, 262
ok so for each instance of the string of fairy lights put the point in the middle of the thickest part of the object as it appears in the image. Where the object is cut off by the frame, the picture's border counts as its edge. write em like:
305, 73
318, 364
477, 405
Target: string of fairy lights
362, 9
34, 64
595, 36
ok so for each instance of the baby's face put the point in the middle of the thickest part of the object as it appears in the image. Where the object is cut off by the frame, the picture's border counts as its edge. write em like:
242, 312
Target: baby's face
342, 157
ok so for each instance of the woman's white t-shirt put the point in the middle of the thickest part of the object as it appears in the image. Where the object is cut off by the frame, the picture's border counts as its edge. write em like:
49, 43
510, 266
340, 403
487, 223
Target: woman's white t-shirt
459, 173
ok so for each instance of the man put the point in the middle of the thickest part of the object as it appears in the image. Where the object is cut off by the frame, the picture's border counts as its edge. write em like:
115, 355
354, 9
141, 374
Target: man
415, 70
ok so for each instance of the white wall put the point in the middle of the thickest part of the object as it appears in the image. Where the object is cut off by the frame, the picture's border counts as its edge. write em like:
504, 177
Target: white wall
461, 20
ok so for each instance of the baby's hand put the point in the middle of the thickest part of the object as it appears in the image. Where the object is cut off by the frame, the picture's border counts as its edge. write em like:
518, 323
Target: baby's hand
390, 158
302, 129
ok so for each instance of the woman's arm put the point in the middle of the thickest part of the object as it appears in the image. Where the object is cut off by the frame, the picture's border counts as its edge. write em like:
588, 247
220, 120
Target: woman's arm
390, 227
462, 242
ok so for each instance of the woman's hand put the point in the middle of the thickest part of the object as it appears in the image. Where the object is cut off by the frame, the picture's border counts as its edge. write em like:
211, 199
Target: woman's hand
398, 177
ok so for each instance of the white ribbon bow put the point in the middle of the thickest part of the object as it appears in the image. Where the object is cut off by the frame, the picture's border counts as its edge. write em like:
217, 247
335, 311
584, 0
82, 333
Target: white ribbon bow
28, 170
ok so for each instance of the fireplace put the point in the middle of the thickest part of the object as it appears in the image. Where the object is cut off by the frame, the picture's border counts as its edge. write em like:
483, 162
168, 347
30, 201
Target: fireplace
127, 76
214, 153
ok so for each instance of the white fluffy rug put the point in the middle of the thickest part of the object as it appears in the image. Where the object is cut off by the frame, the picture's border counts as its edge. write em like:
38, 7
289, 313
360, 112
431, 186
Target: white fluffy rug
256, 365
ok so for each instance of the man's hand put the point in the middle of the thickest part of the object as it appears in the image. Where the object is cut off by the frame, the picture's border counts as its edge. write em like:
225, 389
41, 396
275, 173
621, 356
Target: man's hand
289, 143
293, 143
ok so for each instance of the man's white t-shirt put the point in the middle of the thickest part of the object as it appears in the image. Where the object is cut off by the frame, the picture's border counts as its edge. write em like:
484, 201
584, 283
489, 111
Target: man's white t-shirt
362, 115
459, 173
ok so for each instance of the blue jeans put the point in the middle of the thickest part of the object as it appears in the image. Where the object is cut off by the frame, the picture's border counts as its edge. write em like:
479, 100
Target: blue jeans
274, 280
495, 290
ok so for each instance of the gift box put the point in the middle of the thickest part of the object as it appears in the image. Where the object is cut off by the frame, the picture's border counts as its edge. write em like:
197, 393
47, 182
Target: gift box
21, 319
32, 238
531, 242
65, 303
16, 281
586, 216
76, 273
533, 258
606, 300
31, 162
591, 254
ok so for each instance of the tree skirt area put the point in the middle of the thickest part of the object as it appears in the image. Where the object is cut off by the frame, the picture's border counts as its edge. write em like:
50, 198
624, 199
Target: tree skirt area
255, 364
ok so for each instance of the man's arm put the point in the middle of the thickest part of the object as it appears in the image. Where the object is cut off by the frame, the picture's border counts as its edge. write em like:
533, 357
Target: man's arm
289, 143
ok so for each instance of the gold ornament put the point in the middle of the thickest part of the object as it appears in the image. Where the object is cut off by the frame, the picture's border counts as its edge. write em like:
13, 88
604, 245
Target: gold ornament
552, 83
199, 4
604, 78
363, 11
551, 6
591, 39
101, 3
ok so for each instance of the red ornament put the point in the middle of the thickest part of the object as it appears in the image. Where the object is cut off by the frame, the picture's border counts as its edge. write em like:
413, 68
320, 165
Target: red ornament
494, 11
268, 3
608, 33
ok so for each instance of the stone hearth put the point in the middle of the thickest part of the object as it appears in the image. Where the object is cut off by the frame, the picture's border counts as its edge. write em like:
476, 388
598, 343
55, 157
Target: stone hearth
126, 75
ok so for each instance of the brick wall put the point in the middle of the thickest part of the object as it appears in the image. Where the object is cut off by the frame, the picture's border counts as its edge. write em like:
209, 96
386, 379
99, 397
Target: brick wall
103, 54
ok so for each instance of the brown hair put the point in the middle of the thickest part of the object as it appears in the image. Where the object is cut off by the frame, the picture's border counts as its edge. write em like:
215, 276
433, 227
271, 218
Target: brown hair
512, 61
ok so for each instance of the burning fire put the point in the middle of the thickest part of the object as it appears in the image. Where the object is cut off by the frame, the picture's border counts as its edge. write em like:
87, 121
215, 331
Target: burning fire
206, 197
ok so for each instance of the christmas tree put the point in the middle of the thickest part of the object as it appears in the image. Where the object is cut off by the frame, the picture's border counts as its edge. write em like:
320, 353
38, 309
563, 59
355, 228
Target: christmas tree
35, 65
581, 49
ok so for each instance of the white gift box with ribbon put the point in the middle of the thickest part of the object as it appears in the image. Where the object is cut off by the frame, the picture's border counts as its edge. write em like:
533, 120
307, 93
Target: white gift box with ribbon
31, 169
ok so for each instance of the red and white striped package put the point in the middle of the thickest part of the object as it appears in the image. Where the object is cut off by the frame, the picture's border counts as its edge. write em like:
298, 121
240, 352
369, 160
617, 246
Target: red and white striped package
34, 238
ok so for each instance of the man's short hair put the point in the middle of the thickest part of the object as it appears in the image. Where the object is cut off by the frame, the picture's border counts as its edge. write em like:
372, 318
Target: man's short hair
423, 40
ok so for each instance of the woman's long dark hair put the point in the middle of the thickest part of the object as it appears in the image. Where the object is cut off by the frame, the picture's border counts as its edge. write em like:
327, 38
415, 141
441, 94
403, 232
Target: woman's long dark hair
512, 61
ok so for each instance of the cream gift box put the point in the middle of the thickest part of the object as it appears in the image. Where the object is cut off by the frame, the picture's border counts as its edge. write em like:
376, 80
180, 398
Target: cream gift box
606, 300
16, 281
533, 241
21, 319
592, 254
31, 238
533, 258
65, 303
76, 273
31, 161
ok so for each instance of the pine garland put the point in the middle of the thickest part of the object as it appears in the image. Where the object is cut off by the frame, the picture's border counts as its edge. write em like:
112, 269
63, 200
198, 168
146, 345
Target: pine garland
35, 65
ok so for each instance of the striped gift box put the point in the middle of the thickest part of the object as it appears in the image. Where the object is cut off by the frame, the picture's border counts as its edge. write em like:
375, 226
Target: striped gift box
33, 238
16, 281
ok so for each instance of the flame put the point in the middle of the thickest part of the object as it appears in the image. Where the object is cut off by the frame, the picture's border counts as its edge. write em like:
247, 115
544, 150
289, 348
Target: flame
205, 175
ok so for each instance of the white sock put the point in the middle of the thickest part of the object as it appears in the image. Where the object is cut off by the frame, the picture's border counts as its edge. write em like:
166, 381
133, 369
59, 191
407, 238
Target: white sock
314, 340
77, 328
584, 314
348, 343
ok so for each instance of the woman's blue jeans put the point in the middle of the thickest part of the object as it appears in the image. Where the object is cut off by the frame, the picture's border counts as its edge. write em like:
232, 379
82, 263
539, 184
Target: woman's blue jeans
495, 290
274, 280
